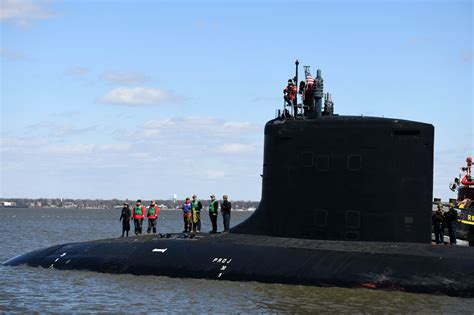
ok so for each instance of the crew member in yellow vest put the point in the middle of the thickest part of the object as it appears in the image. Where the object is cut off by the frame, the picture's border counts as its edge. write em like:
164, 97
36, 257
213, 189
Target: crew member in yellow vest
196, 208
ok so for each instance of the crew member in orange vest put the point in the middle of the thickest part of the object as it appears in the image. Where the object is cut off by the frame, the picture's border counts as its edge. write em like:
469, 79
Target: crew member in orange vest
138, 215
289, 94
152, 215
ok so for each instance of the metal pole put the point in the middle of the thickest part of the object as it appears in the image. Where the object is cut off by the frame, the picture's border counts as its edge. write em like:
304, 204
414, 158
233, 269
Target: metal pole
296, 84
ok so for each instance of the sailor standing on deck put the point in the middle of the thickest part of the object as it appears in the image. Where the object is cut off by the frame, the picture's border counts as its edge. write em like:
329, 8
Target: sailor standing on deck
196, 208
213, 207
125, 218
187, 215
138, 215
438, 225
152, 215
225, 209
451, 218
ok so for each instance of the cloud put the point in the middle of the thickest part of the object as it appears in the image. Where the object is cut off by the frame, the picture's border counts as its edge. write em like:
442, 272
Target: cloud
23, 13
234, 148
161, 123
151, 133
236, 125
11, 54
21, 142
83, 149
124, 77
72, 149
193, 125
60, 130
136, 96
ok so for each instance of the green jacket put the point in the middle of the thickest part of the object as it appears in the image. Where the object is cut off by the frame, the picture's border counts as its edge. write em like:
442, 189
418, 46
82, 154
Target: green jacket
214, 206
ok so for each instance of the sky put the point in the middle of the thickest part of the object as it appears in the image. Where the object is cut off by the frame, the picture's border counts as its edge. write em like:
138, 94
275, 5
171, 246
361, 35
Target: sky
127, 99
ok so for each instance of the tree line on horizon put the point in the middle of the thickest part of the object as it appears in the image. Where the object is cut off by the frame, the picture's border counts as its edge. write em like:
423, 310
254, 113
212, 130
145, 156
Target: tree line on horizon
110, 203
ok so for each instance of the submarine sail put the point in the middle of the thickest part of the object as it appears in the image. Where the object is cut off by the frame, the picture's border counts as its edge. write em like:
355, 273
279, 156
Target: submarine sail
361, 178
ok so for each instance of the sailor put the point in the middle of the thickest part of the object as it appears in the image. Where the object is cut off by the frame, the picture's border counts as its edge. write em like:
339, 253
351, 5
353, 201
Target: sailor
301, 88
289, 94
187, 215
213, 207
196, 206
225, 210
138, 215
125, 218
152, 215
438, 224
451, 218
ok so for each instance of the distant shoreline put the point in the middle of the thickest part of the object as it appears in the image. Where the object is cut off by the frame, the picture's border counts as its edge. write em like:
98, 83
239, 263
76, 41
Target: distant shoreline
105, 204
91, 208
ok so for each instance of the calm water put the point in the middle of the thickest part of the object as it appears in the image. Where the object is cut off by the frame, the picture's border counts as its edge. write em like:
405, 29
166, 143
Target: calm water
48, 290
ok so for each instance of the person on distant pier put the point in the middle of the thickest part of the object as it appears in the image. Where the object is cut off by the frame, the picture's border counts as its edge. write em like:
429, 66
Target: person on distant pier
125, 217
225, 210
138, 215
451, 218
196, 209
152, 215
187, 215
438, 225
213, 208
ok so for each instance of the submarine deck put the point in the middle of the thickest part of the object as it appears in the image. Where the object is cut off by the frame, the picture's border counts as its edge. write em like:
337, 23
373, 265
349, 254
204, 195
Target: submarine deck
408, 249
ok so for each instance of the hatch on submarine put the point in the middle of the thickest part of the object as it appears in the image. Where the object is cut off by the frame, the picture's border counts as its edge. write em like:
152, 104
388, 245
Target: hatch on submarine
364, 220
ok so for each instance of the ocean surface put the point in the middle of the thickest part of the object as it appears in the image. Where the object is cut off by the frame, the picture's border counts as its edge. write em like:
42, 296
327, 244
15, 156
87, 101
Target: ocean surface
28, 289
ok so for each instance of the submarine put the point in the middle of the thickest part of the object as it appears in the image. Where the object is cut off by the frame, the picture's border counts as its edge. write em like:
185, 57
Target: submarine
364, 220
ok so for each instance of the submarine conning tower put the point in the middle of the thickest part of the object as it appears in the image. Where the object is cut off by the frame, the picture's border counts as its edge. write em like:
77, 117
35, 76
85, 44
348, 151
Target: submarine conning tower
349, 178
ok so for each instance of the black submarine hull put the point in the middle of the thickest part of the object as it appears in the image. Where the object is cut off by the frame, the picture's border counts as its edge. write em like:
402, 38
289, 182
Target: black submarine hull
238, 257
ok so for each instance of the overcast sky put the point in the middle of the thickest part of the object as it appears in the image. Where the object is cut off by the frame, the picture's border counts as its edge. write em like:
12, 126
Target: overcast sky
126, 99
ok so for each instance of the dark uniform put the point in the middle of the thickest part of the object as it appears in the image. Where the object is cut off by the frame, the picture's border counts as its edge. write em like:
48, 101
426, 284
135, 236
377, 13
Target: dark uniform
213, 207
125, 218
451, 218
438, 226
225, 209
